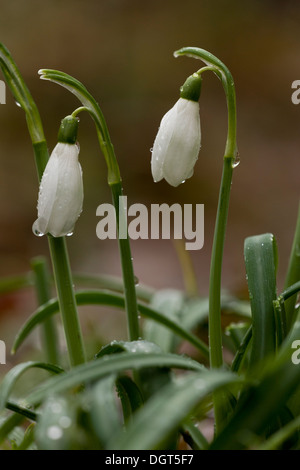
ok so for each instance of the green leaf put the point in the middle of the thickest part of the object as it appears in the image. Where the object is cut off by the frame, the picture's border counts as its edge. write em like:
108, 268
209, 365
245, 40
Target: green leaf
130, 396
7, 424
18, 408
140, 346
28, 439
242, 350
13, 283
260, 260
273, 384
113, 283
293, 273
193, 436
277, 439
166, 410
96, 297
103, 409
12, 376
107, 365
171, 303
150, 379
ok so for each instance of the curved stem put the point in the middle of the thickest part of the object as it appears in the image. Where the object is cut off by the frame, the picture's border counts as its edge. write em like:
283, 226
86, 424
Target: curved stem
229, 88
114, 181
215, 331
58, 248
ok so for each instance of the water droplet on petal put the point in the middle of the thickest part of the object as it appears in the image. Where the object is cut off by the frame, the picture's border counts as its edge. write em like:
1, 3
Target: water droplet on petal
136, 281
35, 230
151, 150
69, 234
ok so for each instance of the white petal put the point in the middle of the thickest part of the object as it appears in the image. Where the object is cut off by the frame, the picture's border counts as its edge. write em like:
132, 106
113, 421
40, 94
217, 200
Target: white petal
161, 142
61, 192
183, 149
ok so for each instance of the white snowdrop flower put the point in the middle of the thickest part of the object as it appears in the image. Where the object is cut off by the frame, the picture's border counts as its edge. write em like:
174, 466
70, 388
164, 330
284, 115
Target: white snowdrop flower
178, 141
61, 189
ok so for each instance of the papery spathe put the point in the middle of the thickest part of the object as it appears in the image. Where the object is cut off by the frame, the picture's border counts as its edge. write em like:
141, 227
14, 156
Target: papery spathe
61, 192
177, 144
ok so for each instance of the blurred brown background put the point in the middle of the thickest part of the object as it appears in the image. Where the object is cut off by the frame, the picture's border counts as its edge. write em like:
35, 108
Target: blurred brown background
122, 50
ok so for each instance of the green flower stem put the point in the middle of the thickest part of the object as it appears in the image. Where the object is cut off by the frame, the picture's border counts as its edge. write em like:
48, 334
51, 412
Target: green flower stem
66, 296
293, 274
114, 180
127, 270
229, 162
58, 249
43, 290
215, 332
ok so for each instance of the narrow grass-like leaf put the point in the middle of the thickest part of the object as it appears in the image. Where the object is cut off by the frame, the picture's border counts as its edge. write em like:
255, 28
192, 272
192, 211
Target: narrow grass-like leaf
260, 261
103, 409
107, 365
113, 283
8, 424
130, 396
28, 439
12, 376
17, 408
277, 439
293, 273
151, 379
193, 436
236, 333
280, 320
166, 410
96, 297
141, 346
241, 351
195, 311
13, 283
274, 384
170, 302
43, 292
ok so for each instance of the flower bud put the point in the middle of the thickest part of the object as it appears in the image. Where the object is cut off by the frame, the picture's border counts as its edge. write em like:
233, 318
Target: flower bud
177, 144
61, 189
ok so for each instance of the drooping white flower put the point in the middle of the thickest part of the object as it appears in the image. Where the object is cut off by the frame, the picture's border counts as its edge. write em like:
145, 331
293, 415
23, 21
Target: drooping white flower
178, 141
61, 192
